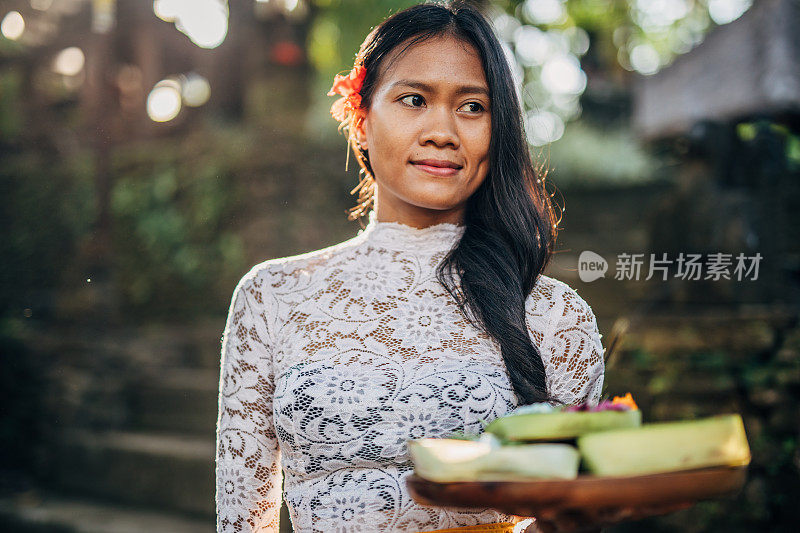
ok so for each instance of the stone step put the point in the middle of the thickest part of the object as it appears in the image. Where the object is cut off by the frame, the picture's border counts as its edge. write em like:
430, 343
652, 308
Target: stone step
177, 400
49, 513
166, 471
738, 332
194, 345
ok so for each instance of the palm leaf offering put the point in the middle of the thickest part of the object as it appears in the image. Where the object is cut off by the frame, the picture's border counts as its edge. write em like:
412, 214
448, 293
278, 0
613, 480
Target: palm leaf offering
540, 441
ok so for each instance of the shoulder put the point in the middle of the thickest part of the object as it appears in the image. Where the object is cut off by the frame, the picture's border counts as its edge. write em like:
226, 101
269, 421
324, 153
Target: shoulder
288, 270
555, 298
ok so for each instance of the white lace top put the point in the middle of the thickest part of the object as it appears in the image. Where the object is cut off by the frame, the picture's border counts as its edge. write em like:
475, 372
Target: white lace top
333, 358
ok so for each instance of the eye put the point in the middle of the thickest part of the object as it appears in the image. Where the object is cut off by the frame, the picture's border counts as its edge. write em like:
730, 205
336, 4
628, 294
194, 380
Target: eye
420, 99
478, 106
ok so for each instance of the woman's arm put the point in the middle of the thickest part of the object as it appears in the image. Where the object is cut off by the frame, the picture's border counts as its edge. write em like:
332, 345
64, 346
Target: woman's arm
573, 349
248, 468
573, 354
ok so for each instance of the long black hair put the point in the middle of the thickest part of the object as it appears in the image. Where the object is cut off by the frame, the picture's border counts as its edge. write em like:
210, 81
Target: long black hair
510, 222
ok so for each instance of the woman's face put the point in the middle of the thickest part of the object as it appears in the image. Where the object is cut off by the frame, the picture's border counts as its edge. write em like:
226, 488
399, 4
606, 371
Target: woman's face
429, 110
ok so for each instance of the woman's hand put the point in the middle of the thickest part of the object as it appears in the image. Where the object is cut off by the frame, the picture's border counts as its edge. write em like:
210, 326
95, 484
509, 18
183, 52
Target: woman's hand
592, 520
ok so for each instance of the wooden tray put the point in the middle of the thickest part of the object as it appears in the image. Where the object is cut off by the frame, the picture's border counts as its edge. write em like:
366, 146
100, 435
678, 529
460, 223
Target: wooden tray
528, 498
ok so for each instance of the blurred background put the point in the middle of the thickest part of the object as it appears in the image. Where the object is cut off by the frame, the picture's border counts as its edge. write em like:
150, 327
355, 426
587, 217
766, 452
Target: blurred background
152, 152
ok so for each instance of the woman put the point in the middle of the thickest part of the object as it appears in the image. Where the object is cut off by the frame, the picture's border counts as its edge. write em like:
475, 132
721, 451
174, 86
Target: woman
434, 318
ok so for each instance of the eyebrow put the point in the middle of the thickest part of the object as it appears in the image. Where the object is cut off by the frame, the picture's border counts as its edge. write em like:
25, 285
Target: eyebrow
462, 89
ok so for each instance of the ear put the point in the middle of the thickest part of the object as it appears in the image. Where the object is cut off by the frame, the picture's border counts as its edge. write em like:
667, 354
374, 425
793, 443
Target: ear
359, 127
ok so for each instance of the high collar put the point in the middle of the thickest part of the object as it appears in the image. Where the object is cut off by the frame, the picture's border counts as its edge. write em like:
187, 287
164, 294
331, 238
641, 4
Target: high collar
396, 236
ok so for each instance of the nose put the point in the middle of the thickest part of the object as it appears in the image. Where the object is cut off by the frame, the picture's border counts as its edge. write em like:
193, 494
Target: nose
440, 128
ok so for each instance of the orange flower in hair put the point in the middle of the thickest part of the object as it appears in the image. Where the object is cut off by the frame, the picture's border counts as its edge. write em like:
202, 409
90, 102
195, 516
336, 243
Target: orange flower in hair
348, 86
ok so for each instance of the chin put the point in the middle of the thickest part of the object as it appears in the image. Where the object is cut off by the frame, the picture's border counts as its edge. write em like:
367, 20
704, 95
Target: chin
426, 192
445, 203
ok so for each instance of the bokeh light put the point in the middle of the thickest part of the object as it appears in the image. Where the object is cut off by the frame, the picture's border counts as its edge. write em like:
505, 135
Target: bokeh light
195, 90
205, 22
567, 106
645, 59
69, 61
532, 45
506, 26
41, 5
290, 9
544, 11
549, 74
659, 14
545, 40
167, 10
543, 127
164, 101
13, 25
725, 11
562, 74
578, 40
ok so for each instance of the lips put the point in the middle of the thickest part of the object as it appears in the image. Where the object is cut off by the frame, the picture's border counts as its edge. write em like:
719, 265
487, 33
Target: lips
441, 168
441, 163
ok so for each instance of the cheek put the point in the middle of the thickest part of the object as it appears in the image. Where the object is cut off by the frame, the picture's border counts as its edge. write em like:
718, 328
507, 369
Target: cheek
388, 143
477, 143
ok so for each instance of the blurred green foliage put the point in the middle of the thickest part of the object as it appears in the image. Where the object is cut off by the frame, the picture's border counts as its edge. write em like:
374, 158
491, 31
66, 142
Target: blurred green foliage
10, 114
761, 381
341, 26
591, 155
749, 131
173, 250
47, 210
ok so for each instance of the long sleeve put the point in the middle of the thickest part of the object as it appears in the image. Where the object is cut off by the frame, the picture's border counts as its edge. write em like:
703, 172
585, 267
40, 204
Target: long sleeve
573, 349
248, 461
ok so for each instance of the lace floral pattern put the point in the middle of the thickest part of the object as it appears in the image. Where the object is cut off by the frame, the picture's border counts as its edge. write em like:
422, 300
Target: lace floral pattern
332, 359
